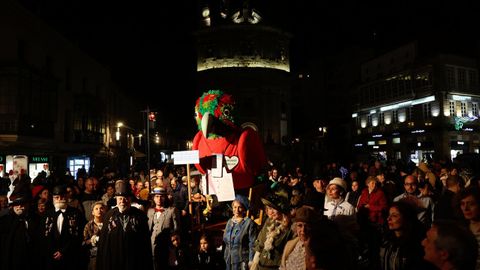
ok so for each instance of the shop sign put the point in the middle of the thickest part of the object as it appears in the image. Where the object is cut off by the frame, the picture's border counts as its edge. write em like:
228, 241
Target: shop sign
39, 159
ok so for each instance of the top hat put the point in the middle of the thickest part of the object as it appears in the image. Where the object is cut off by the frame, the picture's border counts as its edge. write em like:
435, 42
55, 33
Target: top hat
59, 190
122, 189
18, 200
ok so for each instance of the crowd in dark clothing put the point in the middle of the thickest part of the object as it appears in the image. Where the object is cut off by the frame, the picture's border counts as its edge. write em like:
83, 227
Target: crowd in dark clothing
379, 211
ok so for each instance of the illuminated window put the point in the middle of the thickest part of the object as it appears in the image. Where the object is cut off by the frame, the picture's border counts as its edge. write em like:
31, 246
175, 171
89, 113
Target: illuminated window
363, 122
464, 109
396, 140
402, 115
374, 120
382, 142
371, 143
452, 108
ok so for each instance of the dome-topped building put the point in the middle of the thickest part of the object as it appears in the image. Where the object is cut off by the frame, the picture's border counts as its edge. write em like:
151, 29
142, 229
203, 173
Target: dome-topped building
240, 53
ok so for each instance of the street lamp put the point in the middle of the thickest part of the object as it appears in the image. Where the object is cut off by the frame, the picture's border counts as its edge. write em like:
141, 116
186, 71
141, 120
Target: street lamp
149, 122
117, 133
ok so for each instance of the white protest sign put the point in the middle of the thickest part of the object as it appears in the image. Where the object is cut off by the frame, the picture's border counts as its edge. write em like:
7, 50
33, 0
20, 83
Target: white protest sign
186, 157
217, 165
220, 186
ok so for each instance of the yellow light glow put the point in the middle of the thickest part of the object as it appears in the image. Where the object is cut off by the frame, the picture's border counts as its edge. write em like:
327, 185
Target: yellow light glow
250, 62
363, 122
388, 118
446, 111
402, 116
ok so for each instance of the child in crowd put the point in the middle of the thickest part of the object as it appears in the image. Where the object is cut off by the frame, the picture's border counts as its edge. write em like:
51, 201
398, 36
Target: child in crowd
178, 259
92, 231
207, 257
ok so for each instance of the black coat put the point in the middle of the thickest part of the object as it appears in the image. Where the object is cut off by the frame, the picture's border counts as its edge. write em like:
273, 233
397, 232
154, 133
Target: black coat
69, 242
124, 247
16, 242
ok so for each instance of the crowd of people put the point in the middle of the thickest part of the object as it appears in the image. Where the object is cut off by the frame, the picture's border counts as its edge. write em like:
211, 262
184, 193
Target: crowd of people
370, 215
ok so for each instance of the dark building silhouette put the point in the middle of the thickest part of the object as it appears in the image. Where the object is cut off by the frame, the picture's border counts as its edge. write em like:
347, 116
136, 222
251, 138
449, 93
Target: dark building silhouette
59, 107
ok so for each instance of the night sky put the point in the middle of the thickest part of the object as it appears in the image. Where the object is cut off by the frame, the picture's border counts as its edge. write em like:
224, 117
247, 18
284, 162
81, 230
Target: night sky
136, 39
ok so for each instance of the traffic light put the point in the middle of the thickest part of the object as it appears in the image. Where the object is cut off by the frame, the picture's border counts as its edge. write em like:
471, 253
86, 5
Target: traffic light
151, 116
151, 119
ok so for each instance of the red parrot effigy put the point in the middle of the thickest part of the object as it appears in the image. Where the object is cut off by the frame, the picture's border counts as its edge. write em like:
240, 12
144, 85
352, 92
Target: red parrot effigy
218, 133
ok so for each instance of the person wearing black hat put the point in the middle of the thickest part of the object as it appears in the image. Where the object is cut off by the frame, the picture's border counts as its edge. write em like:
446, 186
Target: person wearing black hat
163, 219
124, 239
16, 236
315, 194
62, 233
275, 232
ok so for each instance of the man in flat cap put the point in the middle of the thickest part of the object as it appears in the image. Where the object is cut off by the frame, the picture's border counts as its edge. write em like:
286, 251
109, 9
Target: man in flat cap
124, 241
62, 233
16, 236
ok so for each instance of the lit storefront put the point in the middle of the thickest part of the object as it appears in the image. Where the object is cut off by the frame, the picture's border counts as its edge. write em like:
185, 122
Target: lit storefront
37, 164
77, 162
416, 130
32, 164
17, 163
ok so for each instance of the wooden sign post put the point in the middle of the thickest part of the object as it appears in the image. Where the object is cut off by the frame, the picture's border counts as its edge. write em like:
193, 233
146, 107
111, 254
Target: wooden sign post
187, 158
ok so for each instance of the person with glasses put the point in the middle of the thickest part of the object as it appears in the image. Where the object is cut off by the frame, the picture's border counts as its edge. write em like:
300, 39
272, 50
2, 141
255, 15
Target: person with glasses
422, 203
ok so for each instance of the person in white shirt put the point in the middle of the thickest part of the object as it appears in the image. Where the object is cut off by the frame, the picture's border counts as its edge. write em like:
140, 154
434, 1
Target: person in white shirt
337, 205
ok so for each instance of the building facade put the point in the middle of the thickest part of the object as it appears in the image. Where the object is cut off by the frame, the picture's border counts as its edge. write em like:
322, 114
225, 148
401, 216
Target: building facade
417, 106
58, 106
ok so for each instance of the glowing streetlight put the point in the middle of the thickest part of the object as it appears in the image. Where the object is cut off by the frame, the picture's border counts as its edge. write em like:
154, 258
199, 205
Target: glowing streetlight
117, 133
140, 139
